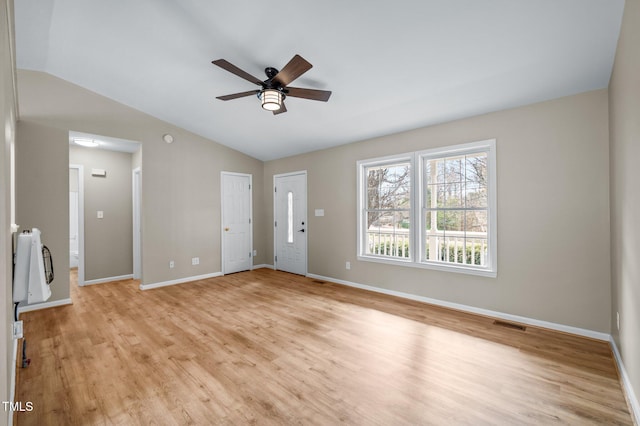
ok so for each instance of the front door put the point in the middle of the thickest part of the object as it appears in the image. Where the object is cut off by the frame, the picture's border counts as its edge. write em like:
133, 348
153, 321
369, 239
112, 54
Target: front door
290, 225
236, 223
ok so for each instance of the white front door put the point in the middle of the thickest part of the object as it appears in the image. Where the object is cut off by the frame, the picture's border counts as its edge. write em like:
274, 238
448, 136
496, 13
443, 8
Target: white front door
290, 226
236, 223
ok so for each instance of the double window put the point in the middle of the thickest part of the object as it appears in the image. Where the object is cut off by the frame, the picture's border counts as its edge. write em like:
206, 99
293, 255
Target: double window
432, 209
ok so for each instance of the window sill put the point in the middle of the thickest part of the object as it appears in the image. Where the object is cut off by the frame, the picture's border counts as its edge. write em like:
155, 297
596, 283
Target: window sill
484, 272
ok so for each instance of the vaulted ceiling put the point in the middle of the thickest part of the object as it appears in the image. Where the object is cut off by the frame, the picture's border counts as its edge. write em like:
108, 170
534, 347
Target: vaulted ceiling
391, 66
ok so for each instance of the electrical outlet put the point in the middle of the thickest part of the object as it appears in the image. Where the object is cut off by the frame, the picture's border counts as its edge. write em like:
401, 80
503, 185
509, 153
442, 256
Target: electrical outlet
172, 264
17, 330
618, 320
195, 260
255, 253
347, 265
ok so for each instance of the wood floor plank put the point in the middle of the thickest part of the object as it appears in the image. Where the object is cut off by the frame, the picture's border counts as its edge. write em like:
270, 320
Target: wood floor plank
266, 347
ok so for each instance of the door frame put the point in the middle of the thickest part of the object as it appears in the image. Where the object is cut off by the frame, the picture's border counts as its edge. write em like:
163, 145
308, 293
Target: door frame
222, 251
306, 219
136, 192
80, 169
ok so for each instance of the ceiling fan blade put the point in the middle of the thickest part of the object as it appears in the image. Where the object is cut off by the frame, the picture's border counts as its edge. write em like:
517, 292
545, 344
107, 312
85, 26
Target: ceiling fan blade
313, 94
281, 110
294, 69
237, 95
228, 66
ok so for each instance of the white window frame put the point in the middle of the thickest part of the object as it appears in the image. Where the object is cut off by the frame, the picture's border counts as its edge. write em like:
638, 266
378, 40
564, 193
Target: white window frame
417, 245
362, 202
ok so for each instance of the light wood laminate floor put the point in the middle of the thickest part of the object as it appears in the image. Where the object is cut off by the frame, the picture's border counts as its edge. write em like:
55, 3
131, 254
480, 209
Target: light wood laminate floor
266, 347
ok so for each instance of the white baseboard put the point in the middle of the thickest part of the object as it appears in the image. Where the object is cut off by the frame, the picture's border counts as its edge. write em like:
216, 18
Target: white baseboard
44, 305
108, 279
264, 265
179, 281
626, 382
472, 309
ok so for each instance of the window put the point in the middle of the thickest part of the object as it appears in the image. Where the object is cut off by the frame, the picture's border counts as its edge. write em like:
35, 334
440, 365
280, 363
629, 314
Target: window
388, 209
290, 217
447, 193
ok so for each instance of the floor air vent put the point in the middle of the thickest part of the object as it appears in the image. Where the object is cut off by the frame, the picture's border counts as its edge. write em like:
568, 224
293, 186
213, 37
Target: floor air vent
318, 282
510, 325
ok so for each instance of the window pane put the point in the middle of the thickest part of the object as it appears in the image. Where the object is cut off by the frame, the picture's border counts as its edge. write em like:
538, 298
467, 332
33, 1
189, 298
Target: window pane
373, 200
453, 169
389, 209
373, 177
375, 221
290, 217
454, 221
432, 247
388, 187
440, 173
477, 249
427, 196
454, 195
452, 250
402, 233
441, 195
475, 195
428, 167
388, 234
477, 222
476, 168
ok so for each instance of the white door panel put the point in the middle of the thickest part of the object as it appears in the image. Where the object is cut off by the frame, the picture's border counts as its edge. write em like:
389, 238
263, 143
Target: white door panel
290, 227
236, 223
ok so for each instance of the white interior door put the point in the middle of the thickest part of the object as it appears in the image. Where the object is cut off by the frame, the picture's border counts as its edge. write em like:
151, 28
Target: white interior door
236, 223
290, 227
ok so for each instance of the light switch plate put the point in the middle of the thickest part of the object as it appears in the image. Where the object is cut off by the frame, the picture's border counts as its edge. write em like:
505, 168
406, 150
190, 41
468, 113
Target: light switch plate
17, 330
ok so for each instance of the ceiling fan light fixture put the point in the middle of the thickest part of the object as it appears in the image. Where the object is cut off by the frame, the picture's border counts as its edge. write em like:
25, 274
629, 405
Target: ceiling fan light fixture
271, 99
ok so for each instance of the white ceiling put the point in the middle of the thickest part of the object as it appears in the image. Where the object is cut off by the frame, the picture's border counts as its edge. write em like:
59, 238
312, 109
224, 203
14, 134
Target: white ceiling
392, 66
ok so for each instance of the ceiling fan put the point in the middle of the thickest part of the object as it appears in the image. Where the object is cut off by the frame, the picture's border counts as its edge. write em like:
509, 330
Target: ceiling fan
275, 88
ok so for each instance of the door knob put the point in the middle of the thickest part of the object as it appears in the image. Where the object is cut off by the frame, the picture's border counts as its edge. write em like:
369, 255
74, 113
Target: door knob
302, 230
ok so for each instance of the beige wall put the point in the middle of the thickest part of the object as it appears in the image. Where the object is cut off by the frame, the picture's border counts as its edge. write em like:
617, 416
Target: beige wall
553, 212
180, 181
8, 114
42, 194
108, 242
624, 100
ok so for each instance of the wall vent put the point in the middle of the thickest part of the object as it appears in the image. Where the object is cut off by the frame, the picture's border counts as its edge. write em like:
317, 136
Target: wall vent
510, 325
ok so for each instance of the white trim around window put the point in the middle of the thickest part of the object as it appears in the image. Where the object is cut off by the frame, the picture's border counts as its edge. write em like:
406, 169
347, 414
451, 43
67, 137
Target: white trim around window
390, 231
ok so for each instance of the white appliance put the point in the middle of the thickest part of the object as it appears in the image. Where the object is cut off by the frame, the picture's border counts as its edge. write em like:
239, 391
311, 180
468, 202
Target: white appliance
33, 270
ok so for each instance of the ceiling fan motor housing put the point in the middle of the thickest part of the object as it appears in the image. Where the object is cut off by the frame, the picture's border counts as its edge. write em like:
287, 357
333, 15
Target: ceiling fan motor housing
271, 72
